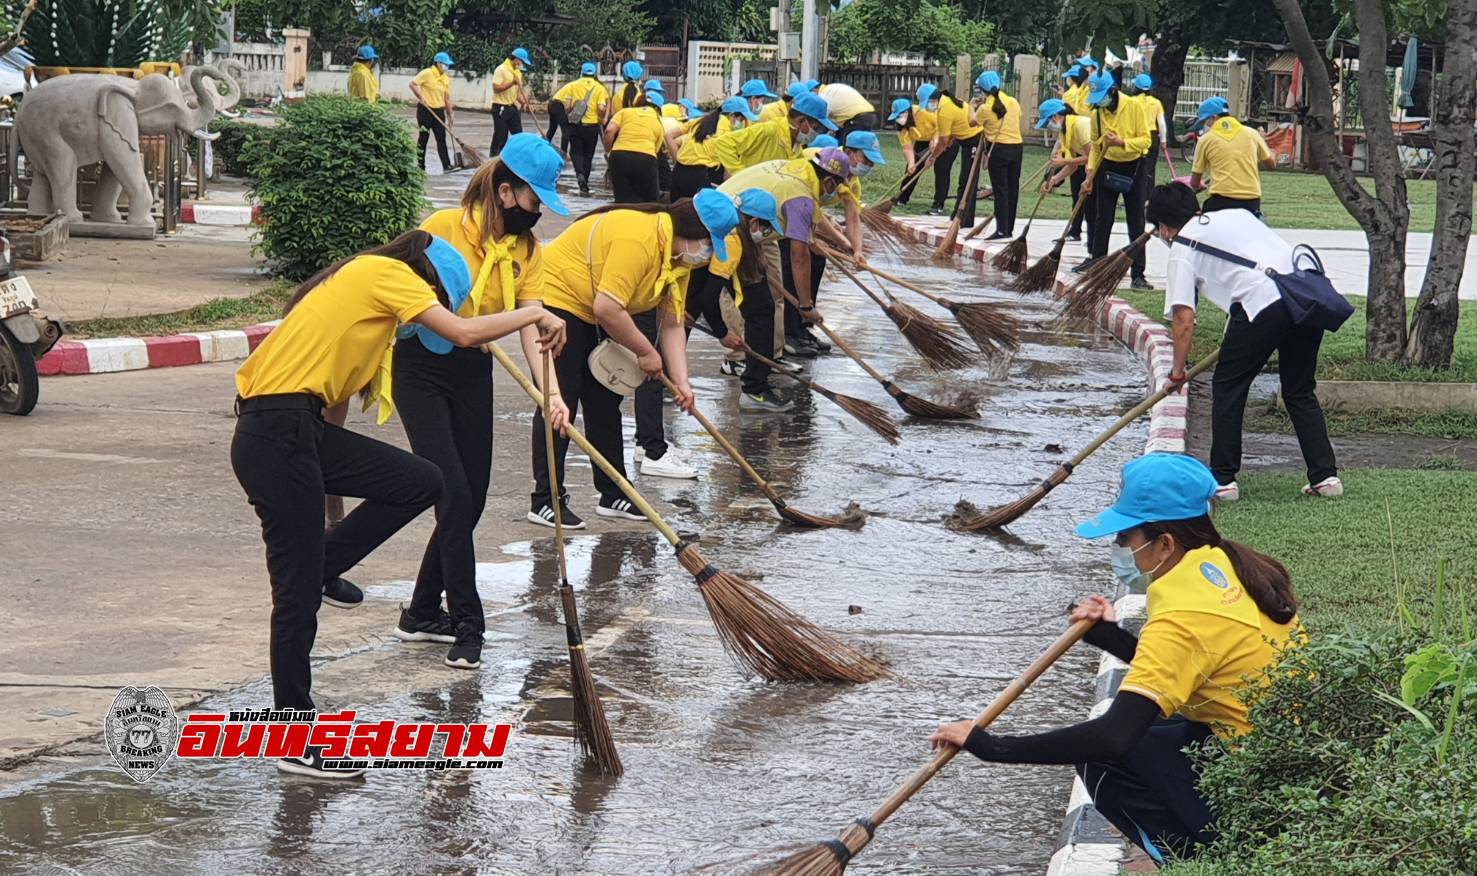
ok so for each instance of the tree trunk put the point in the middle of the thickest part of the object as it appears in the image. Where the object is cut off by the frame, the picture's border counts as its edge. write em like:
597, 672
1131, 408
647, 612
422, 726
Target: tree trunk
1433, 331
1167, 69
1384, 215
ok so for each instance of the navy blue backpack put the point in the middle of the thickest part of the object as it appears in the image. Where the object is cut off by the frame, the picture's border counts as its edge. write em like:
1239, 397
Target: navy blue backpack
1310, 298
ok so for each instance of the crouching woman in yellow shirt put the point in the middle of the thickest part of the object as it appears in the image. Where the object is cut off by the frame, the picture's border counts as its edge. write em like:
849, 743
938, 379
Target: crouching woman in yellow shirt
611, 264
286, 457
1218, 613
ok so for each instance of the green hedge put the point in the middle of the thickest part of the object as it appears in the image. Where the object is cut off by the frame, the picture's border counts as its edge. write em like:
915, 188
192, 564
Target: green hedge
336, 176
234, 135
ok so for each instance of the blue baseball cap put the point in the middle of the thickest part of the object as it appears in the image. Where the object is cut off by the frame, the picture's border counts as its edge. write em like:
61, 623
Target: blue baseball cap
456, 279
631, 70
756, 88
367, 53
687, 104
812, 84
1099, 84
925, 92
814, 105
588, 69
824, 140
1070, 72
522, 54
1049, 107
833, 161
1157, 488
988, 81
795, 89
535, 161
737, 105
442, 58
1210, 107
1143, 82
761, 205
867, 142
655, 85
1086, 61
720, 216
899, 106
655, 98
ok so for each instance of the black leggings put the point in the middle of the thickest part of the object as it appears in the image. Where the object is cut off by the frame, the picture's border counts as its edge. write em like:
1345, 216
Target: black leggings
432, 122
602, 414
633, 177
506, 121
286, 460
445, 404
963, 150
689, 179
558, 122
582, 140
651, 433
794, 325
1005, 180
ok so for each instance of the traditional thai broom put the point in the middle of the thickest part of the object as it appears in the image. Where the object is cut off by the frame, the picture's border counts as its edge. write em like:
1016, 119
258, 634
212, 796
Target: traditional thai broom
939, 345
830, 858
590, 728
1005, 514
758, 631
1101, 279
468, 151
993, 329
951, 236
851, 518
1041, 276
1012, 259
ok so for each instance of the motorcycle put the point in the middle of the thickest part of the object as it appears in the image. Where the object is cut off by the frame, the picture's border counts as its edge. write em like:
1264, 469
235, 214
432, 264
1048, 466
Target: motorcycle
25, 336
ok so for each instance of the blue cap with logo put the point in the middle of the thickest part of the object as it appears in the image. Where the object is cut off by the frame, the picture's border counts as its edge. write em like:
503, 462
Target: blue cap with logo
869, 145
535, 161
655, 85
456, 279
737, 105
656, 98
719, 215
367, 53
522, 54
795, 89
1099, 84
631, 71
442, 58
925, 92
589, 69
1049, 107
989, 81
1071, 71
1210, 108
761, 205
1157, 487
756, 88
814, 105
1143, 82
899, 106
824, 140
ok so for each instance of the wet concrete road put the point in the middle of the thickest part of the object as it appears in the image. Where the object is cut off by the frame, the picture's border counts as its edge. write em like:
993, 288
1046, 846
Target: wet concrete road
719, 768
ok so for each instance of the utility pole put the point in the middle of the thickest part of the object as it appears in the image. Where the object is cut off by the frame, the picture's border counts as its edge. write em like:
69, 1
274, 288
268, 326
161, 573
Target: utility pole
810, 43
782, 15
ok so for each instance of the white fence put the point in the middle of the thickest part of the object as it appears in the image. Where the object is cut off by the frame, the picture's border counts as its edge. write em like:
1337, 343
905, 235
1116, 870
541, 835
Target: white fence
707, 62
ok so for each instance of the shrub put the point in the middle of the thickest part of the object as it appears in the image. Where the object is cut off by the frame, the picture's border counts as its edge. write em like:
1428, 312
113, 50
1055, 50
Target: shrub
234, 135
336, 176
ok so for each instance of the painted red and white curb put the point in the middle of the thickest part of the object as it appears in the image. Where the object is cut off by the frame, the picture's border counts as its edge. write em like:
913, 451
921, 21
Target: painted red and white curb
232, 215
106, 355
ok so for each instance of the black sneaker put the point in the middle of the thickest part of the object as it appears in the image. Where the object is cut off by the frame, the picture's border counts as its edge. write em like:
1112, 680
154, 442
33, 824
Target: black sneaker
341, 594
764, 402
935, 211
1083, 265
413, 629
795, 345
731, 368
1075, 237
1000, 235
1140, 282
466, 653
544, 516
311, 765
618, 507
816, 341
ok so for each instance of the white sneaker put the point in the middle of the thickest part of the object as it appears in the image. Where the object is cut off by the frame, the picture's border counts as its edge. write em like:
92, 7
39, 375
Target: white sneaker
672, 465
1227, 492
1328, 488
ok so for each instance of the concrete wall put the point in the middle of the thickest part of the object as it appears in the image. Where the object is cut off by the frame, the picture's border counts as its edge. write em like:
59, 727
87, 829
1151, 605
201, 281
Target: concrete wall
396, 86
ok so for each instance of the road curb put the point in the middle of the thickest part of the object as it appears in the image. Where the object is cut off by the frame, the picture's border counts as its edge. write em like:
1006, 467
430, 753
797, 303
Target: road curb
232, 215
106, 355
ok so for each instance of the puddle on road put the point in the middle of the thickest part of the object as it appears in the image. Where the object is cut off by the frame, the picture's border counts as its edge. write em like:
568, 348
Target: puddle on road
718, 768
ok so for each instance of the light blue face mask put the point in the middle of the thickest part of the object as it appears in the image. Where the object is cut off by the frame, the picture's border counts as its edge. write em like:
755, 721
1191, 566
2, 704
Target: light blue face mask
861, 168
1126, 571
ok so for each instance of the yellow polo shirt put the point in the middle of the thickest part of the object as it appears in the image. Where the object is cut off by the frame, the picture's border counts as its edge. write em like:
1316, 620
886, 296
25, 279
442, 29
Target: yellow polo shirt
1127, 122
1153, 110
506, 72
954, 121
362, 83
435, 87
924, 125
1204, 641
1076, 136
778, 109
641, 130
624, 254
461, 229
1000, 129
1075, 96
785, 180
331, 343
691, 152
577, 90
1228, 152
757, 143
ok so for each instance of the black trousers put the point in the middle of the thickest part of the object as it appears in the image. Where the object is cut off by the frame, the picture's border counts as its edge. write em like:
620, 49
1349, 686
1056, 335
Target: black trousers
1244, 352
634, 177
1143, 185
1106, 210
558, 123
1149, 794
445, 404
651, 434
663, 172
1078, 177
794, 325
942, 167
601, 414
506, 121
1005, 180
1221, 202
689, 179
432, 122
968, 182
907, 190
757, 309
582, 140
286, 460
859, 122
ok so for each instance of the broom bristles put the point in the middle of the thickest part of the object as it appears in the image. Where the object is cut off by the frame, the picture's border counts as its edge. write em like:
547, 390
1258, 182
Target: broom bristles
967, 518
767, 638
993, 329
825, 859
1012, 259
891, 231
852, 517
1096, 285
938, 344
965, 406
1041, 276
872, 416
946, 246
591, 730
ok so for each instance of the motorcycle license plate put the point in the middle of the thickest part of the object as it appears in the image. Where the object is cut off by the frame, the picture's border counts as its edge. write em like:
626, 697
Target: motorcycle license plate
16, 297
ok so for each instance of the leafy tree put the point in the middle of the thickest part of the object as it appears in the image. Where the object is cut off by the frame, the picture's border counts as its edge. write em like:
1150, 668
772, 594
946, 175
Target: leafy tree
103, 33
935, 29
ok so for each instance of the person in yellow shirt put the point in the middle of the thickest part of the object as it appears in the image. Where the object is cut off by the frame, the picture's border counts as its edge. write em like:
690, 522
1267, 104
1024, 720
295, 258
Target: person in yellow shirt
696, 167
1230, 152
1219, 614
444, 394
630, 90
611, 264
781, 108
848, 109
916, 123
754, 93
777, 138
1074, 134
1075, 94
287, 454
1120, 140
583, 127
507, 97
433, 109
999, 117
672, 115
362, 83
957, 138
633, 137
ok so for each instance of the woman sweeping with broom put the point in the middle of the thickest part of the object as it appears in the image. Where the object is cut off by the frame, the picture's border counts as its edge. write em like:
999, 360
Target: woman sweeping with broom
1070, 163
916, 123
1218, 614
957, 137
999, 116
1120, 140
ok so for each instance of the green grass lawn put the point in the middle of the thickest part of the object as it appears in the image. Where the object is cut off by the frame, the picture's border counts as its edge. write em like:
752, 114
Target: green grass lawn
1290, 199
1339, 550
217, 313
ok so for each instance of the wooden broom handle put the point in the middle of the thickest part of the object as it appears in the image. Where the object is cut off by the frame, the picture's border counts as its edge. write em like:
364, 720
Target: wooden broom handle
905, 178
840, 262
903, 283
974, 177
840, 343
1138, 410
636, 498
1063, 643
726, 445
555, 502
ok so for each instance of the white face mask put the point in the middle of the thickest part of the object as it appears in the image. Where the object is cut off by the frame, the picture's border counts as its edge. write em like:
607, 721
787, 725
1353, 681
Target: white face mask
756, 234
701, 257
804, 137
1054, 126
861, 168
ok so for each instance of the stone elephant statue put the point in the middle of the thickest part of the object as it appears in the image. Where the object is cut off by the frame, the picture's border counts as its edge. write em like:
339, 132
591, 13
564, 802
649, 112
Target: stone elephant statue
224, 103
72, 121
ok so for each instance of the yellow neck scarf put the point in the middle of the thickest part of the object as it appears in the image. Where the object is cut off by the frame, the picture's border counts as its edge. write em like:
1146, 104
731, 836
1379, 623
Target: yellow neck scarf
1226, 127
495, 254
669, 275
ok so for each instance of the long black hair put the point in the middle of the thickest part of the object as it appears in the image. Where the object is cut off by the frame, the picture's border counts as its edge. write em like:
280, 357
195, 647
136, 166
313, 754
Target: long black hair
1265, 579
708, 125
685, 220
409, 248
999, 107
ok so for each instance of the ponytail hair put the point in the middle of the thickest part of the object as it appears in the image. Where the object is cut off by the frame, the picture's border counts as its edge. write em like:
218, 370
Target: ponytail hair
1265, 579
629, 95
999, 107
707, 126
685, 220
409, 248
